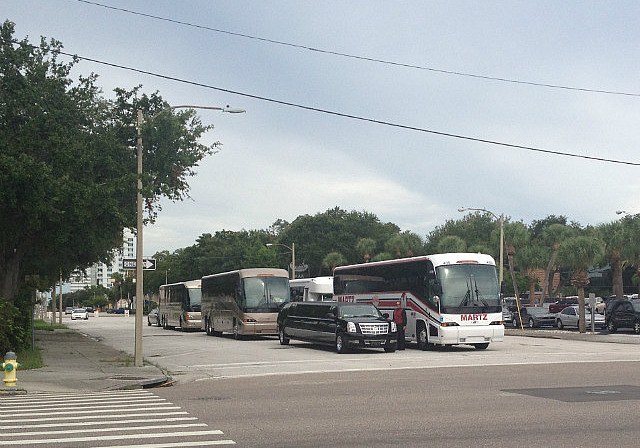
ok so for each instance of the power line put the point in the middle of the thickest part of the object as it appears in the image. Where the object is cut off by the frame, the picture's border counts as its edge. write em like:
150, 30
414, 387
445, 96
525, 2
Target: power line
355, 117
365, 58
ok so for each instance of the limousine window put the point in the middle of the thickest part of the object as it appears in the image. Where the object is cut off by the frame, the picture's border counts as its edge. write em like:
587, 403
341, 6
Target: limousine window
363, 310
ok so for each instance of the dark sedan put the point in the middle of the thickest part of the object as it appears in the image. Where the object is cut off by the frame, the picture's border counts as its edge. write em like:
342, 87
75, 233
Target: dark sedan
533, 316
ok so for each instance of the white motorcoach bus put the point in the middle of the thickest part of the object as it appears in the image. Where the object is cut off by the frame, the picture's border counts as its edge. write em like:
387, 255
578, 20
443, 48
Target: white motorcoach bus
449, 299
244, 302
179, 305
315, 289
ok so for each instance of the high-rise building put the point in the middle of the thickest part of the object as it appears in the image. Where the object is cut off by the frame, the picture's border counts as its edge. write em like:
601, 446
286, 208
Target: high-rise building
102, 273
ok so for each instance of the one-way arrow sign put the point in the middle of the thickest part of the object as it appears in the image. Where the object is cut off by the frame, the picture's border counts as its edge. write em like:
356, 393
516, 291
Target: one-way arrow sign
148, 264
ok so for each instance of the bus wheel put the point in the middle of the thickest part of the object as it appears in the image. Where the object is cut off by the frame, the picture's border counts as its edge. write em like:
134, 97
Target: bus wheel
421, 337
341, 347
284, 340
481, 346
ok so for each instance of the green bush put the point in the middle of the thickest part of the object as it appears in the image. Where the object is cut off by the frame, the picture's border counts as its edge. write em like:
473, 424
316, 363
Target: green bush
13, 332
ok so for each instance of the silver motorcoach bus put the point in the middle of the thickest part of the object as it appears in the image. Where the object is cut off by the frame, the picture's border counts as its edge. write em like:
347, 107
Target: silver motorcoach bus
244, 302
179, 305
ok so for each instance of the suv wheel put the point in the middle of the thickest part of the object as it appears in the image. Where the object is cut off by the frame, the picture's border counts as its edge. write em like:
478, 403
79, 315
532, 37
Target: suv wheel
636, 327
284, 340
532, 324
341, 347
611, 327
559, 324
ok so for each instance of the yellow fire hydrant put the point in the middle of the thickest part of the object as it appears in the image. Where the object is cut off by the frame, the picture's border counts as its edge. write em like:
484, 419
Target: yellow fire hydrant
10, 366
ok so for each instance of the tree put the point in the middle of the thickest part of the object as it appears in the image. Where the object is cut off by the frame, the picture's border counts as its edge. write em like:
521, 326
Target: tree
551, 236
332, 260
366, 246
578, 253
613, 237
452, 243
67, 168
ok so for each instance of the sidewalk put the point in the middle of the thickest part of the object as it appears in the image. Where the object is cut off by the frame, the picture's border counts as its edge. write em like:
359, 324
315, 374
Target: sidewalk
77, 363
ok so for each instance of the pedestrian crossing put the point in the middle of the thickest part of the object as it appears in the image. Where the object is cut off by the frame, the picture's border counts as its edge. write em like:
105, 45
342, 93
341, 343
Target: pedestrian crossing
135, 418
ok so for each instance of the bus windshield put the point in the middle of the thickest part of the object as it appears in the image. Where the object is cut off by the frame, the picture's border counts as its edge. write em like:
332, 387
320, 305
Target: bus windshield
264, 294
195, 299
468, 288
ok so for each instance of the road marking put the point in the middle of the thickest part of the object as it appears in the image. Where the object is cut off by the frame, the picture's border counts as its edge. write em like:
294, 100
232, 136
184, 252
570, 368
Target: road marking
39, 421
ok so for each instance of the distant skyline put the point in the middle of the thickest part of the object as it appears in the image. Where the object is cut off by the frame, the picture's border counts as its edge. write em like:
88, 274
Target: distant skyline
555, 76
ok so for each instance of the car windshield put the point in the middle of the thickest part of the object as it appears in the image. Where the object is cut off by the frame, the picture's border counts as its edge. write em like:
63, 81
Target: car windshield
358, 311
536, 311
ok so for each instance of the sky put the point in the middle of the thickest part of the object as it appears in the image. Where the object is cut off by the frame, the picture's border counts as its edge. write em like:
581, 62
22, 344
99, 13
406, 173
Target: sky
385, 107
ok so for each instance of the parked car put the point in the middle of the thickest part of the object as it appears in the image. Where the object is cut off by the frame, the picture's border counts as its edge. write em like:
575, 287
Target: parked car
623, 314
507, 315
115, 311
79, 313
534, 316
561, 304
569, 316
153, 318
341, 324
68, 310
89, 309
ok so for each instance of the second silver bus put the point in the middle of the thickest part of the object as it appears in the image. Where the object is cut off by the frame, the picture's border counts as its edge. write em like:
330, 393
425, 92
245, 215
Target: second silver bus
244, 302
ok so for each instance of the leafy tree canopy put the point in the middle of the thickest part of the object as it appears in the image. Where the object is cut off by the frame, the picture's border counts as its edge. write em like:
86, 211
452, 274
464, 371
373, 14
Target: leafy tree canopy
67, 164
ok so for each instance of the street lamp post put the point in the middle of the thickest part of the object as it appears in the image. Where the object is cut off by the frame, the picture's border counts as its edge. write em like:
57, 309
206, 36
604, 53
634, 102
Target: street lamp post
139, 224
293, 256
501, 220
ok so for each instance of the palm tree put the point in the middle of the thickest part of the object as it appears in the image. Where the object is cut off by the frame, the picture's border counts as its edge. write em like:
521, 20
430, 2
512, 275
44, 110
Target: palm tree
613, 236
552, 236
366, 246
531, 259
578, 253
332, 260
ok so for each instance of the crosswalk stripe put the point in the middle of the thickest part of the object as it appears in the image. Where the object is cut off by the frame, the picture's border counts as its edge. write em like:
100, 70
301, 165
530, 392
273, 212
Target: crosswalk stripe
114, 437
107, 429
177, 444
94, 417
111, 422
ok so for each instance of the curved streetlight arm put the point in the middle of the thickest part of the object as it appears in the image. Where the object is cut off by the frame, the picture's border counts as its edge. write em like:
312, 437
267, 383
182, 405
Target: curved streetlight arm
227, 108
293, 256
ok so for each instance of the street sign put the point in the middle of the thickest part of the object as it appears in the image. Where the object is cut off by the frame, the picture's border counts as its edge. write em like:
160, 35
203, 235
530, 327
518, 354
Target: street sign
148, 264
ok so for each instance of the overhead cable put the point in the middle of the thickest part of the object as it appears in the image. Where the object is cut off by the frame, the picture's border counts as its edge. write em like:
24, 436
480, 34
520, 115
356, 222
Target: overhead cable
365, 58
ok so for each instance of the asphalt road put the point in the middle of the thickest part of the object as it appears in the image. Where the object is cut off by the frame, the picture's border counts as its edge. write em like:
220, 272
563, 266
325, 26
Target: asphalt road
522, 392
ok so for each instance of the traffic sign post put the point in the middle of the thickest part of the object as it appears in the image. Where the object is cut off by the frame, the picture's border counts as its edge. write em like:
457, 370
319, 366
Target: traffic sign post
130, 264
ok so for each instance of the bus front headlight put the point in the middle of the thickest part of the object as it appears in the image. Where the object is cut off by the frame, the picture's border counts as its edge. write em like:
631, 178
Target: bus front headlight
351, 327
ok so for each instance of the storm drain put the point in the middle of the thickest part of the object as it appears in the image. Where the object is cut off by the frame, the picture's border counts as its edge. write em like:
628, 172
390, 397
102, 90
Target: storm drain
126, 378
582, 394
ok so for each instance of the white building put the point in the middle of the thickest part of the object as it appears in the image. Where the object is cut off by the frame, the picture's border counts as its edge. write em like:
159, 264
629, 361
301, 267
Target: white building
102, 273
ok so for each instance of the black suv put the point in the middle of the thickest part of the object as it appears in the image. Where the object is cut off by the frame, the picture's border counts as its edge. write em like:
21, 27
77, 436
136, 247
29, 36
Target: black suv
341, 324
623, 314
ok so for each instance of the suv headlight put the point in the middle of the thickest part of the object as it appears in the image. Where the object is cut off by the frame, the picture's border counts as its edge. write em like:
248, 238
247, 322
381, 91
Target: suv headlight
351, 327
394, 327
